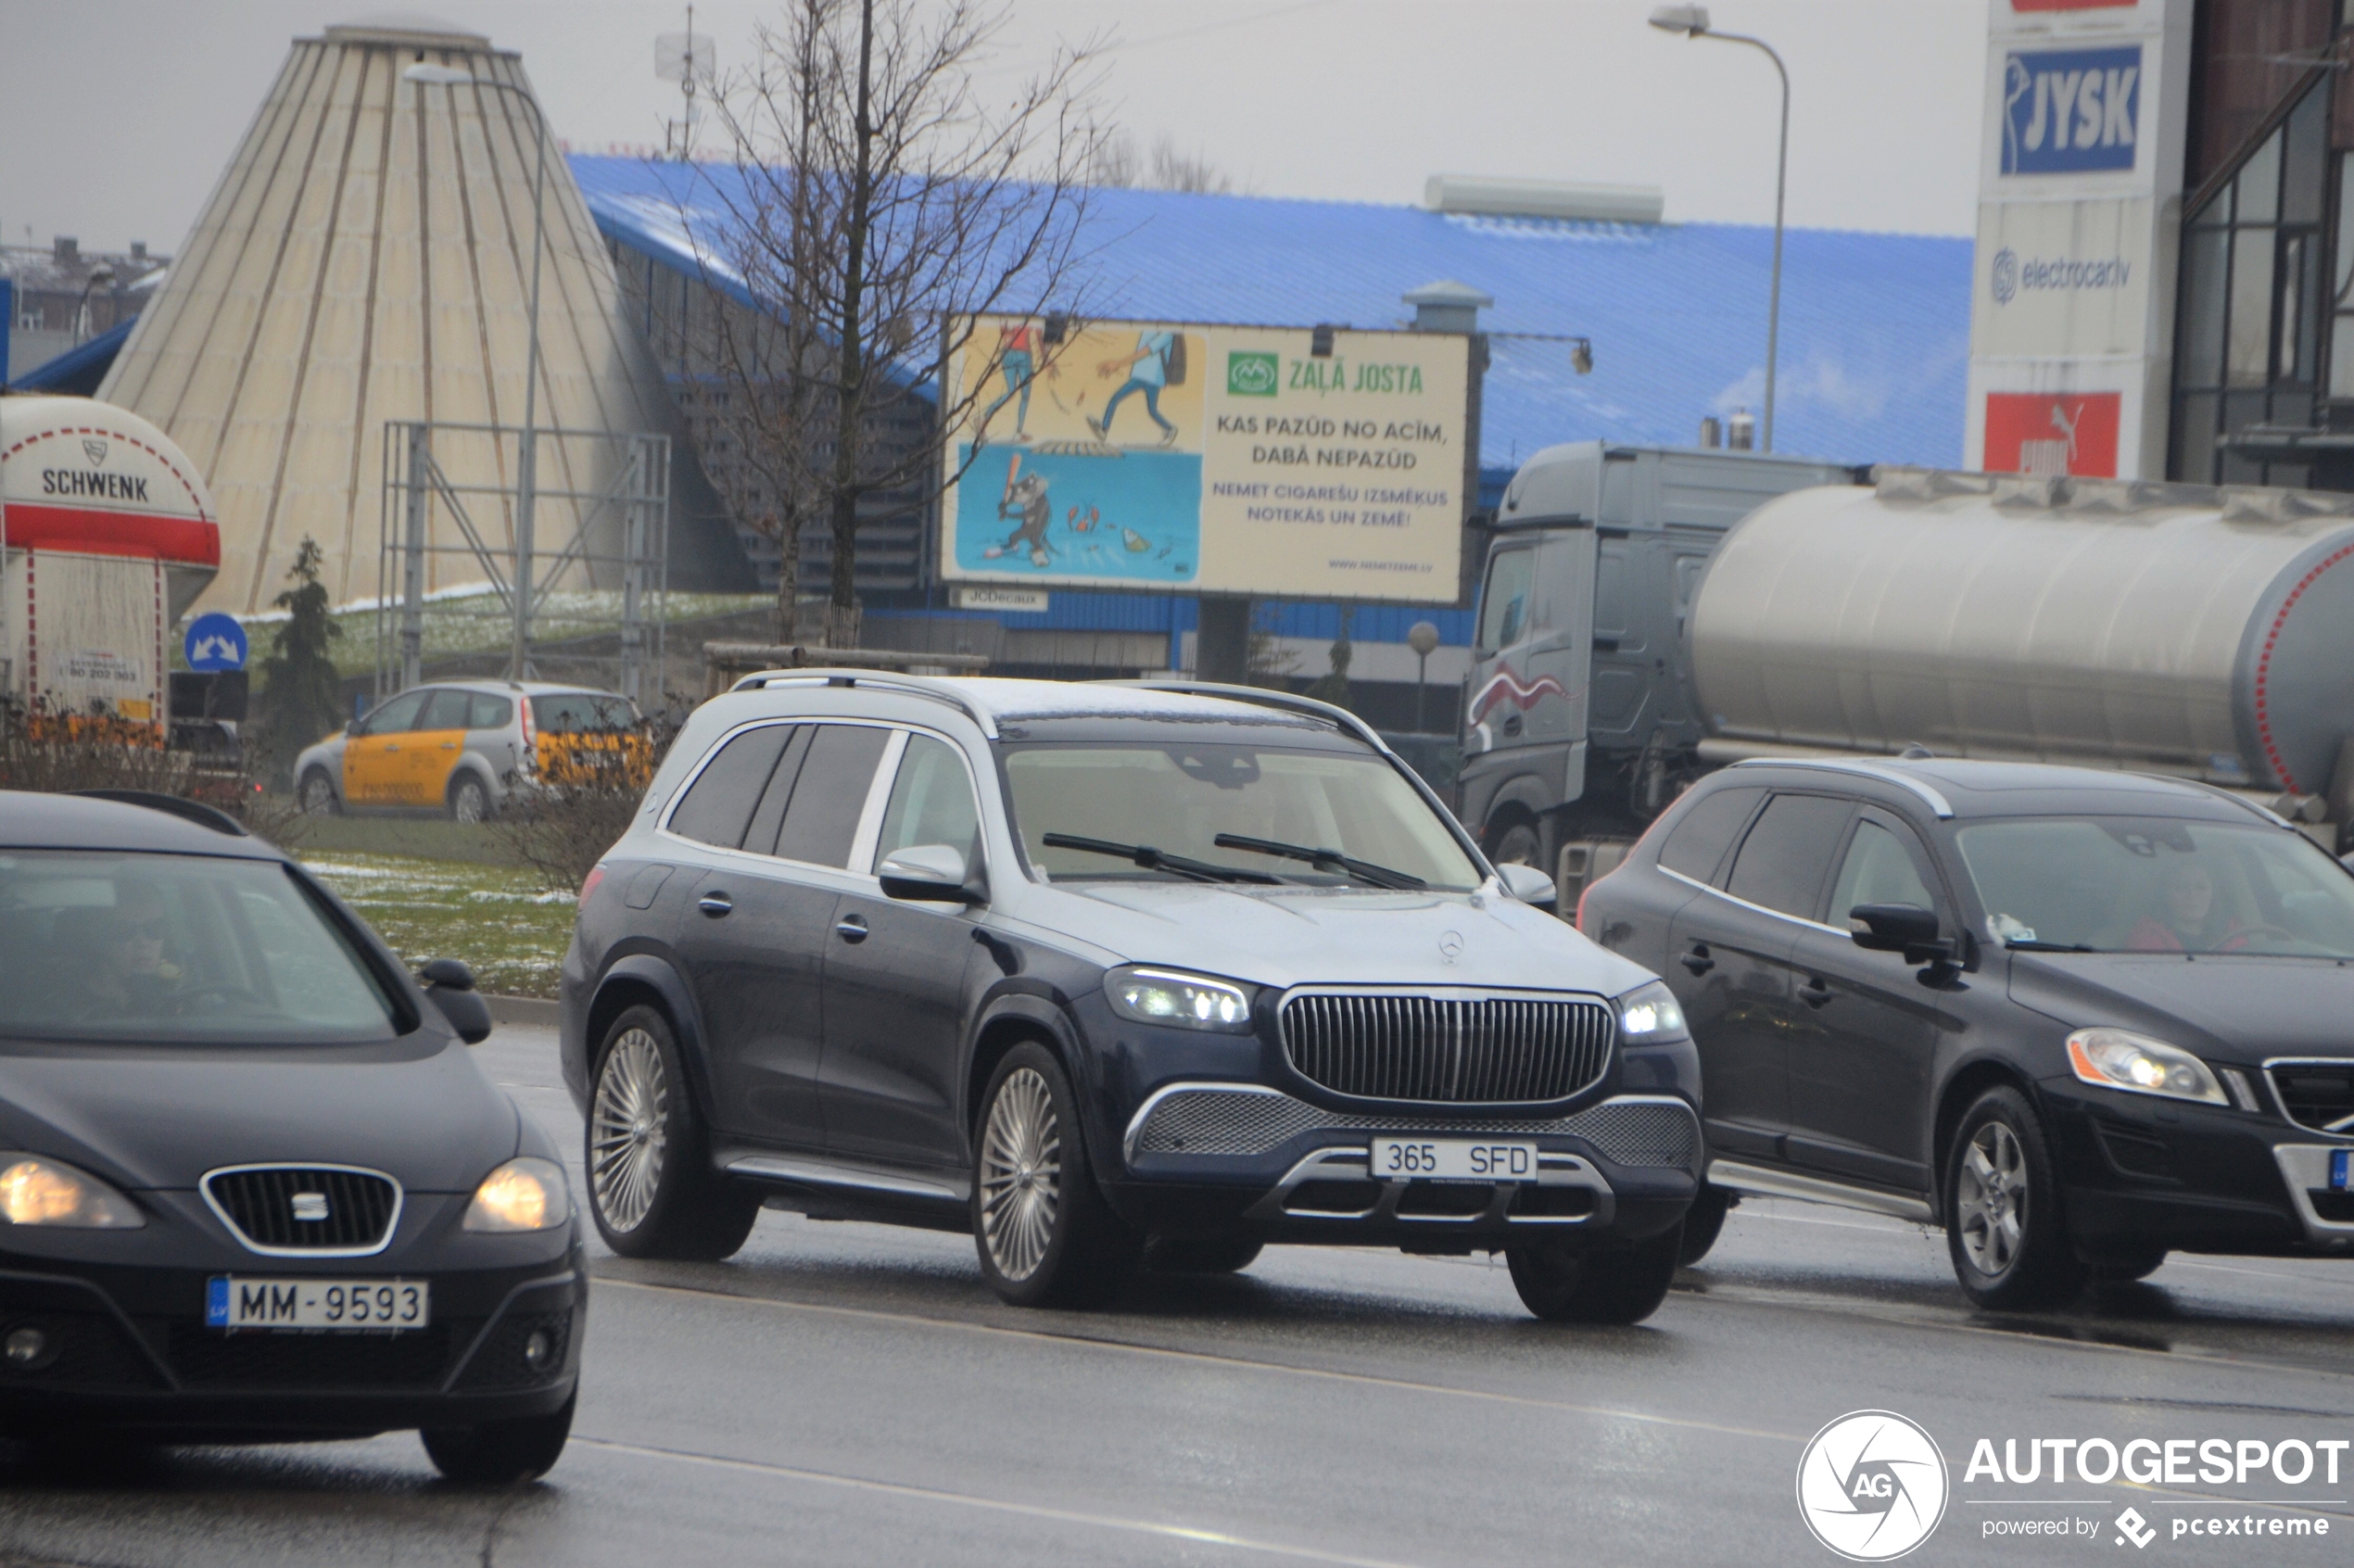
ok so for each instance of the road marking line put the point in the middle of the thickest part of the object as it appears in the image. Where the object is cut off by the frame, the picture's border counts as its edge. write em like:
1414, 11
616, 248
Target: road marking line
1083, 1341
1028, 1511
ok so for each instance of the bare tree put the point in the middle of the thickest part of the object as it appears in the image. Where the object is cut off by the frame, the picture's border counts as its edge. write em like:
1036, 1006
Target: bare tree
1165, 168
875, 203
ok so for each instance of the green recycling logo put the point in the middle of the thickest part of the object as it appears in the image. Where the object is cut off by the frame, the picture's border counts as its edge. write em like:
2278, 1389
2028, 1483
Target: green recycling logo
1252, 374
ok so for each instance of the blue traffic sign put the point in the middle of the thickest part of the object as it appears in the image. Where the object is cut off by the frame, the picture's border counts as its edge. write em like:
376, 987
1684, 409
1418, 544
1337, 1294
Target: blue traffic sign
215, 642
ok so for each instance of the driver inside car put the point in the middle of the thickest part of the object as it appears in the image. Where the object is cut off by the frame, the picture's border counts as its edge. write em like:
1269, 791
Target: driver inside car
119, 952
2186, 916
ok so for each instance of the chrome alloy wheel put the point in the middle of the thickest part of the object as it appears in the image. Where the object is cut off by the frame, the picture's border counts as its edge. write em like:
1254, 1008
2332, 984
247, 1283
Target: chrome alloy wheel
1020, 1174
1989, 1199
628, 1129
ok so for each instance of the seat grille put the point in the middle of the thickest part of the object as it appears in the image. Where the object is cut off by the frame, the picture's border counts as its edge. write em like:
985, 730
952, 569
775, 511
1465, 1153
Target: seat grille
1439, 1049
306, 1208
2317, 1094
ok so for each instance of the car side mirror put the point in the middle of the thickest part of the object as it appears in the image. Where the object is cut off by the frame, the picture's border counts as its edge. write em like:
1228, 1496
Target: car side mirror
450, 986
1527, 884
1901, 928
930, 873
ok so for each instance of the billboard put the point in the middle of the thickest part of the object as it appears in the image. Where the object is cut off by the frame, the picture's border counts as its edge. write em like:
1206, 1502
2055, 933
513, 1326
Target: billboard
2071, 111
1206, 458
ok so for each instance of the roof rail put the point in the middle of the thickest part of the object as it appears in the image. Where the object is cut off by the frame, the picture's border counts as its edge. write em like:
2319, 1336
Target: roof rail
883, 681
1867, 768
1265, 698
179, 806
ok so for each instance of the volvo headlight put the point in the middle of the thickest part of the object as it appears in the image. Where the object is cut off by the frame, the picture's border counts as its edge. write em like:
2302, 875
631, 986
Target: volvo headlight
1650, 1015
35, 1191
1165, 996
523, 1195
2115, 1059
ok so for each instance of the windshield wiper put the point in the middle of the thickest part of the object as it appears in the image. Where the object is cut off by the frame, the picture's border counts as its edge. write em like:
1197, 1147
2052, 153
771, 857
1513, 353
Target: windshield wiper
1326, 860
2029, 945
1152, 859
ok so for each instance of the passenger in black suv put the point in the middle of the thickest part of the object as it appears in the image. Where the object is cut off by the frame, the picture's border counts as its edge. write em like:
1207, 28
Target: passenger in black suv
2077, 1017
1107, 972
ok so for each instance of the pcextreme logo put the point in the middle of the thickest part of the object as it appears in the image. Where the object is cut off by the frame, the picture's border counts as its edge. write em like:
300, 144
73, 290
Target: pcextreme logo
1871, 1485
1251, 374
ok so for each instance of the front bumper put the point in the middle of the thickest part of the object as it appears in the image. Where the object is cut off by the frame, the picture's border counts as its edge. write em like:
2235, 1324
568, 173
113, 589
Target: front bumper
1204, 1156
129, 1348
2139, 1171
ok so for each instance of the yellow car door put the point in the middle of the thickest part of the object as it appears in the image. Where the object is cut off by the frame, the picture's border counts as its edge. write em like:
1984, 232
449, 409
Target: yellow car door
434, 746
375, 753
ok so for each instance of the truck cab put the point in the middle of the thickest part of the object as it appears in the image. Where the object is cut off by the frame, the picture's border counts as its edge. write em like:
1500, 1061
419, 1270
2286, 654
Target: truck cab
1580, 710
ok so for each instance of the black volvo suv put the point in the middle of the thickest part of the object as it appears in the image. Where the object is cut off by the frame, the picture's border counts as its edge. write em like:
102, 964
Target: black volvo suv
2077, 1017
1107, 974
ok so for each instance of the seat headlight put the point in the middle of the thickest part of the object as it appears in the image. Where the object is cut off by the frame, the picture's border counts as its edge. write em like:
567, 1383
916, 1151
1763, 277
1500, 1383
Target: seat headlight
35, 1191
1650, 1014
2116, 1059
1165, 996
523, 1195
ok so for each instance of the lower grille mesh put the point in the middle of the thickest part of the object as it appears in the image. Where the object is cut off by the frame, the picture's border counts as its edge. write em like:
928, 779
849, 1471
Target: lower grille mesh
1245, 1122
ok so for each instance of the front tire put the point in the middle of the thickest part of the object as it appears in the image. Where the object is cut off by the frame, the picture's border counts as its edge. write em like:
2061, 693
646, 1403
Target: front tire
316, 794
2004, 1227
500, 1453
651, 1185
1705, 1221
1045, 1234
1564, 1283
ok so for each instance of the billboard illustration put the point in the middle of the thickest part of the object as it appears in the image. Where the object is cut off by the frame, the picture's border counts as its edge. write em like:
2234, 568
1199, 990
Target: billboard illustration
1192, 457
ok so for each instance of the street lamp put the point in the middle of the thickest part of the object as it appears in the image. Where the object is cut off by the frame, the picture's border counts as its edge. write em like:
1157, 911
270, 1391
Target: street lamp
1693, 22
1422, 638
528, 459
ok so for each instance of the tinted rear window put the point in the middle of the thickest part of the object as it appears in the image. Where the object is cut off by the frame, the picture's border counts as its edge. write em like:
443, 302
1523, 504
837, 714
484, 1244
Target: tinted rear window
719, 802
830, 794
486, 712
1696, 845
1782, 861
563, 713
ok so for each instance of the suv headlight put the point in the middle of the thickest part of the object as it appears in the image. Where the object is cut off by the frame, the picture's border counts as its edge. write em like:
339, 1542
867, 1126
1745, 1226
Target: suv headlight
523, 1195
2115, 1059
35, 1191
1650, 1015
1165, 996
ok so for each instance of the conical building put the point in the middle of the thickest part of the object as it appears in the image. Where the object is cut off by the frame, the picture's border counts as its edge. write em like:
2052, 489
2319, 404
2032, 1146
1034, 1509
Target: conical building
366, 257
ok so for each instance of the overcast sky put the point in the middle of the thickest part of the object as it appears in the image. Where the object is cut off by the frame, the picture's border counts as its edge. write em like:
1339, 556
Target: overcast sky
117, 116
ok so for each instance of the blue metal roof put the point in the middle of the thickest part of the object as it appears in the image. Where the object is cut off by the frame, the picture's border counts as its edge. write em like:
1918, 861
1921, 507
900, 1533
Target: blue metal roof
80, 368
1874, 331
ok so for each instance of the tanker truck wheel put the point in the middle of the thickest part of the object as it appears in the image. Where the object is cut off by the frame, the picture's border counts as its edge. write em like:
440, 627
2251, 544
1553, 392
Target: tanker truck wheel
1516, 845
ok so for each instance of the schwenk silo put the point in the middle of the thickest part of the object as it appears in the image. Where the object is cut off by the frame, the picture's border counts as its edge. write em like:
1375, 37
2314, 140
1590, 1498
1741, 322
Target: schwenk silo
366, 257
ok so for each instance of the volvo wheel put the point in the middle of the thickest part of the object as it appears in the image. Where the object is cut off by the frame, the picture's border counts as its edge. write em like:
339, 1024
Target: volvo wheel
1565, 1284
651, 1185
1045, 1234
2004, 1226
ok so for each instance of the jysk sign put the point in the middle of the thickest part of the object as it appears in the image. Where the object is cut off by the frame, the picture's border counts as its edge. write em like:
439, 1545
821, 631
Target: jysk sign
2071, 111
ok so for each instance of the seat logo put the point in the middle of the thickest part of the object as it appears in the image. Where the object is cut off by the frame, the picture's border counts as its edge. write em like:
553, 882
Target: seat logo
1872, 1486
311, 1207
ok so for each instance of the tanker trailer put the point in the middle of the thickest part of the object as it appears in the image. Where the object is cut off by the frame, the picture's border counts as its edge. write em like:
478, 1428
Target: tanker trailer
107, 537
2170, 628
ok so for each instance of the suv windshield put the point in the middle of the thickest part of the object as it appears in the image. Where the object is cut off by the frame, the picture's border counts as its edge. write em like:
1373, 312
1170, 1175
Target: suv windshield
163, 949
2141, 884
1183, 800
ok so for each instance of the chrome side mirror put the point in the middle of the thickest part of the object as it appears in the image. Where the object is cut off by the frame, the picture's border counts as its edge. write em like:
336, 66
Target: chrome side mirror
930, 874
1527, 884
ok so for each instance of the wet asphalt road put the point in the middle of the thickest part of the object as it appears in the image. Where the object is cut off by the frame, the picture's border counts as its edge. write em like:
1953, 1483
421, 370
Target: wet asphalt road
848, 1393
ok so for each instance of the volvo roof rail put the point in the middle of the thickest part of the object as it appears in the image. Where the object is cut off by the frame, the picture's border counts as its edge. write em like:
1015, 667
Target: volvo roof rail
1867, 768
883, 681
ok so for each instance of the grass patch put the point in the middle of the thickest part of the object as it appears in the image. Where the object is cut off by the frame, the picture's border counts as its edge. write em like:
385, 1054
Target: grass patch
419, 837
495, 917
478, 623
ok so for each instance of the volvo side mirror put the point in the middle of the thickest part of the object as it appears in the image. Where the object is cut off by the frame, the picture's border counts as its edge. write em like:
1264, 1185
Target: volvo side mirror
1901, 928
930, 873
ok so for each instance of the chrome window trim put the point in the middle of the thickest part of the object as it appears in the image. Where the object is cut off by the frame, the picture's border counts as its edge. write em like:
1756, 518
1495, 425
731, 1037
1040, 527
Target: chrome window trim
870, 816
392, 1224
1860, 768
1757, 908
